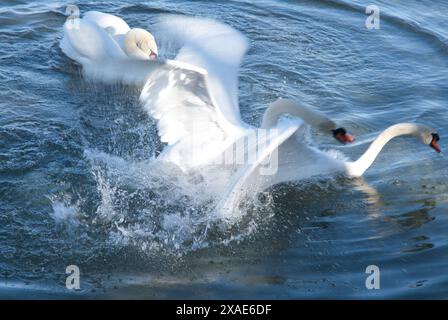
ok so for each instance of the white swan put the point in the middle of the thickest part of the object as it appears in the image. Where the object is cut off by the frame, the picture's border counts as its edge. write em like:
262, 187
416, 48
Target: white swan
298, 161
198, 117
109, 50
198, 114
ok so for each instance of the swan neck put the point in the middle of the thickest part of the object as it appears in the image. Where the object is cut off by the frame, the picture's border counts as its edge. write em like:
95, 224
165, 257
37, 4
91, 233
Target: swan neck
286, 106
358, 167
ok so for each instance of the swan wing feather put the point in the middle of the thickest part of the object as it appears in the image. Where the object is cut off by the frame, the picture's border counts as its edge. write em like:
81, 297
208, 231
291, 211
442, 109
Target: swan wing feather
177, 96
290, 159
194, 97
248, 176
215, 47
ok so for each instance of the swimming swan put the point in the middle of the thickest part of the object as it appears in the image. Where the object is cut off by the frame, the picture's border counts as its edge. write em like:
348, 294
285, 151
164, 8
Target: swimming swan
110, 51
297, 161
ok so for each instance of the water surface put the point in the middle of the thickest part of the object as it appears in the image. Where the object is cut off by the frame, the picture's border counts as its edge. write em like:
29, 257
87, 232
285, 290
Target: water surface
79, 185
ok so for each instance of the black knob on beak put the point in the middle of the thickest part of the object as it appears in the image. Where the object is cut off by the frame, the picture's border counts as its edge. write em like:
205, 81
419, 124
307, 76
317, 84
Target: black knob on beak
435, 136
435, 142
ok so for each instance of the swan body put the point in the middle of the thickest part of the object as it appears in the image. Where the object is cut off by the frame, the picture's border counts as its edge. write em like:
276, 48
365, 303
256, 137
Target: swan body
103, 36
110, 51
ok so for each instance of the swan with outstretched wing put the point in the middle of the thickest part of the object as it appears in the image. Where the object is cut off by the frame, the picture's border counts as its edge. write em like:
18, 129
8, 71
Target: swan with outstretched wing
198, 117
198, 114
194, 98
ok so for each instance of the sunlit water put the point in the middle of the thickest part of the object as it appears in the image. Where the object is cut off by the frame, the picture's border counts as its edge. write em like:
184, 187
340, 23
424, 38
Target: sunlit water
79, 183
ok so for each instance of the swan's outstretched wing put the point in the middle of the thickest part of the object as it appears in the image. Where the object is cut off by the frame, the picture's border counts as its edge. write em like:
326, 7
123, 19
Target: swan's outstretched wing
215, 47
285, 158
197, 111
188, 119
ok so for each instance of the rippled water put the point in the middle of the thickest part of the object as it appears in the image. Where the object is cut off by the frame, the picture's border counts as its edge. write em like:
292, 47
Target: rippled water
79, 184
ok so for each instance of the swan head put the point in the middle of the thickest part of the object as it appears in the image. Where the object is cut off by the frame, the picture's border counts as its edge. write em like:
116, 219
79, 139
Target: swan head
432, 139
435, 142
428, 136
140, 44
342, 136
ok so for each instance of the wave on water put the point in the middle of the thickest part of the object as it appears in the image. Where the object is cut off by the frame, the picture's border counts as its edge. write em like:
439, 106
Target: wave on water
394, 17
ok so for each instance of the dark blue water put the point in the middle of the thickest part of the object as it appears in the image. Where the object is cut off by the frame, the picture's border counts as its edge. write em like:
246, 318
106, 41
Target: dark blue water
78, 183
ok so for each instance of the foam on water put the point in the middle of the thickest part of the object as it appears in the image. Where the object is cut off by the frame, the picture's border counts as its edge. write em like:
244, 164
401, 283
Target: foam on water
64, 214
152, 206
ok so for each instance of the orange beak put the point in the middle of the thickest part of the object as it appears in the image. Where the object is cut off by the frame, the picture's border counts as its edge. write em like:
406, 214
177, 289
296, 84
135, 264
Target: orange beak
347, 138
435, 143
342, 136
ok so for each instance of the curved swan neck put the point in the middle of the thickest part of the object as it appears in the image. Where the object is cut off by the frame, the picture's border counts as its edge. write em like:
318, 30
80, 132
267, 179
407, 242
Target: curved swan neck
358, 167
286, 106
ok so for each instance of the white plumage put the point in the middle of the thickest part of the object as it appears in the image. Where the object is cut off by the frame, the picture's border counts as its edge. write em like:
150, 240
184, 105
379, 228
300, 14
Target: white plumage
110, 51
194, 99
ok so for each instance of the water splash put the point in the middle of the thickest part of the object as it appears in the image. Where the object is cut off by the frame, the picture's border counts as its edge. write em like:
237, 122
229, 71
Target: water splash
150, 206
